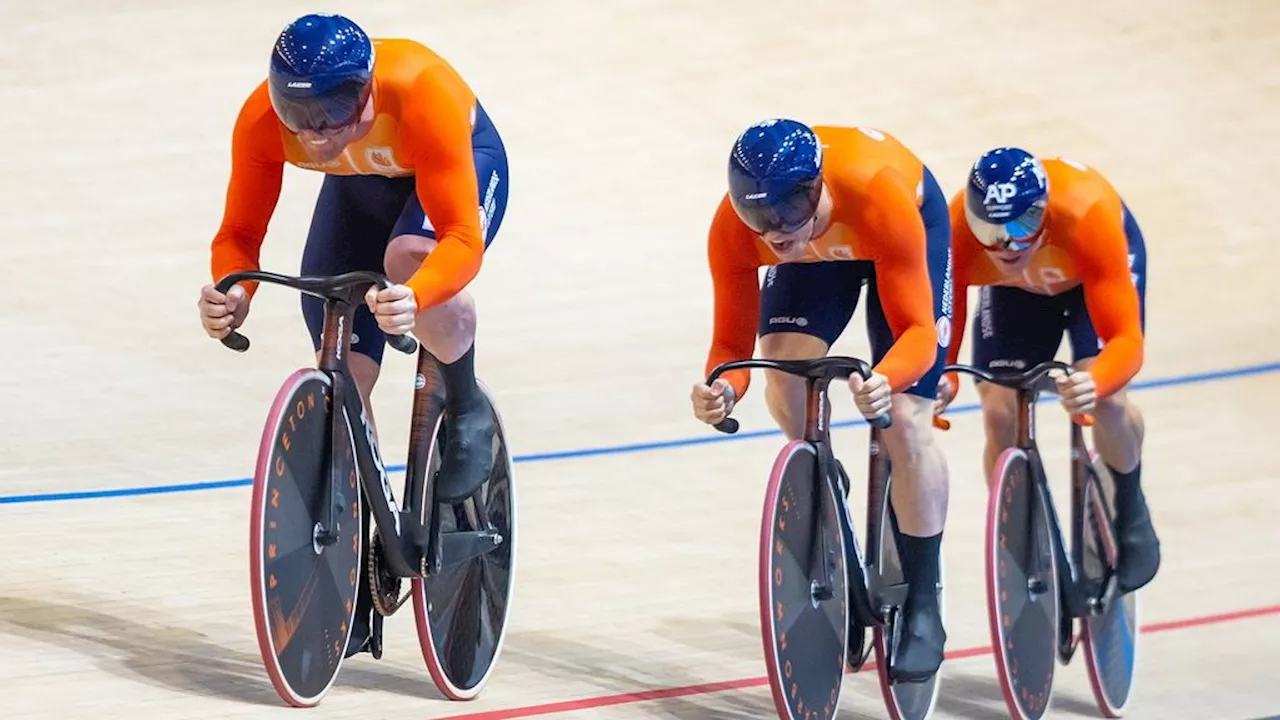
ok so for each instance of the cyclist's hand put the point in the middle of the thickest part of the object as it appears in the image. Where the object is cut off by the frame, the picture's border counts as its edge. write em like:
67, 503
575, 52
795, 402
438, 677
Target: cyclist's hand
1077, 390
395, 308
946, 393
220, 314
712, 403
872, 396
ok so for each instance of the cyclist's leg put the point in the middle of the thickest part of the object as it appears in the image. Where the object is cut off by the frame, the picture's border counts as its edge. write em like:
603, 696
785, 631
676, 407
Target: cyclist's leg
920, 480
1118, 433
1012, 330
352, 220
448, 330
353, 217
804, 307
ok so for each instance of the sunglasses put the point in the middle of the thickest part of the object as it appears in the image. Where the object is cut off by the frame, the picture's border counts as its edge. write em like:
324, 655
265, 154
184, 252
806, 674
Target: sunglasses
1014, 235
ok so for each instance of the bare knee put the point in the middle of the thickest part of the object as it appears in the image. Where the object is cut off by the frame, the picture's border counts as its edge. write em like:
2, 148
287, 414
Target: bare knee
785, 394
448, 329
453, 318
1116, 409
999, 414
365, 373
920, 482
911, 434
404, 256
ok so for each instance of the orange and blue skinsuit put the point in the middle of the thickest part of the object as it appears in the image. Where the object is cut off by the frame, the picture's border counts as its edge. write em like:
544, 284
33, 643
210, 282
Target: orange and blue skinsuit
1086, 276
432, 164
889, 229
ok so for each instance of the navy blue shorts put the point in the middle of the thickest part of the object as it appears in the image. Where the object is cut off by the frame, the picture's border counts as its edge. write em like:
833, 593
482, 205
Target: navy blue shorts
819, 298
356, 216
1015, 329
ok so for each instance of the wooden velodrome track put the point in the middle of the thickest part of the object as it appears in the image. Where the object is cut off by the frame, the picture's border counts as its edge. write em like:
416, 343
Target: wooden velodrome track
127, 435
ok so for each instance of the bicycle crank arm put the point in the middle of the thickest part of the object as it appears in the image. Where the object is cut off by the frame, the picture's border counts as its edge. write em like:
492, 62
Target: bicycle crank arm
1077, 601
888, 596
375, 637
462, 545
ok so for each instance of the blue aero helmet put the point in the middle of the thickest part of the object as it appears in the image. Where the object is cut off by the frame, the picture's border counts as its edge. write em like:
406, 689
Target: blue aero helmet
1005, 199
775, 175
321, 73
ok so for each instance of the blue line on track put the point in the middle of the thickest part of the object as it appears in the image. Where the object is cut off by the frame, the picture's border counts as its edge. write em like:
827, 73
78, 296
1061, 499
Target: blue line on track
1190, 379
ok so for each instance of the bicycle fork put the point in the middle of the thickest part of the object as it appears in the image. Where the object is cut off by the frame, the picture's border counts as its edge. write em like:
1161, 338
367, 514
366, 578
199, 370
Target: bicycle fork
351, 427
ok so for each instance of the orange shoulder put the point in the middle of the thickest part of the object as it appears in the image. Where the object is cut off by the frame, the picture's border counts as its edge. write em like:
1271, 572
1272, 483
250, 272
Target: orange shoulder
435, 106
855, 156
258, 134
1099, 244
731, 246
965, 248
1086, 215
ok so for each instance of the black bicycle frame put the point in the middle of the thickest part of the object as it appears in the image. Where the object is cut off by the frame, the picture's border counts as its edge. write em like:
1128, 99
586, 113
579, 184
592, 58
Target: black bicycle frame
1078, 596
818, 375
405, 543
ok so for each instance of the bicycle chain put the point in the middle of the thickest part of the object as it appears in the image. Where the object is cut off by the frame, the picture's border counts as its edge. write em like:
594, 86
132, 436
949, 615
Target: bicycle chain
384, 587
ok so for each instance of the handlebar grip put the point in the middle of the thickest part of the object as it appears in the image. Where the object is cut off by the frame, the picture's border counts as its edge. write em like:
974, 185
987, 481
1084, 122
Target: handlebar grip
236, 341
727, 426
403, 343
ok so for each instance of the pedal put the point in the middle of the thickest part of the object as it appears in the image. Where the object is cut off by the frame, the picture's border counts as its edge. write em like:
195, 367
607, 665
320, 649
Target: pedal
1066, 638
859, 650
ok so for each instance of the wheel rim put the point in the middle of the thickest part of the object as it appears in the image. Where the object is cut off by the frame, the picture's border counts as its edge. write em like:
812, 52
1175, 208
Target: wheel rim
1023, 614
303, 593
804, 637
461, 637
1110, 638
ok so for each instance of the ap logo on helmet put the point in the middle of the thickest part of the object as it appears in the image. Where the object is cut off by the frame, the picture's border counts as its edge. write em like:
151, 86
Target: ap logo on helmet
1000, 193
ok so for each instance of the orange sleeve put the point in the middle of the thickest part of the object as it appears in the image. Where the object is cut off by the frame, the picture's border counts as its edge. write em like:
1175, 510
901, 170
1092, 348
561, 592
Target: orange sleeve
437, 120
1110, 296
735, 282
896, 239
963, 247
257, 172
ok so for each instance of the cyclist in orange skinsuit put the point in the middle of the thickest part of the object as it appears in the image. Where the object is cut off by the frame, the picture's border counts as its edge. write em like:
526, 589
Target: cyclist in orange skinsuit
415, 186
828, 209
1055, 249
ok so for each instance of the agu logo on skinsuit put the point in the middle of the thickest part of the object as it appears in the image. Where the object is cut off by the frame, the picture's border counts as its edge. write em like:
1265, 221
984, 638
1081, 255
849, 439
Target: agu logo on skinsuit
788, 320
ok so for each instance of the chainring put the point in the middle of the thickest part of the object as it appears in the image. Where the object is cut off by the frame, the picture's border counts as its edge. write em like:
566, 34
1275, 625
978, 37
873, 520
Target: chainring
384, 586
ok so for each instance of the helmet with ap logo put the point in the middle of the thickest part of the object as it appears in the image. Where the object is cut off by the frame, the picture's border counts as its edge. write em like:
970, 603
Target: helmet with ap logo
1005, 199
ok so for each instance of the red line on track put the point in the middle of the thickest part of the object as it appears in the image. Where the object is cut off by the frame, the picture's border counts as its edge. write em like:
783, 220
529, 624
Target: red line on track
714, 687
